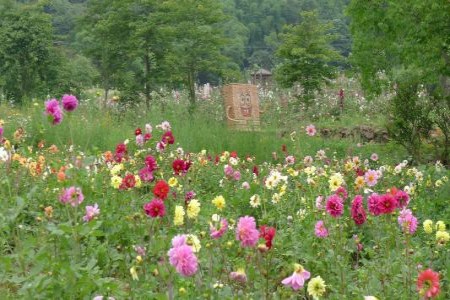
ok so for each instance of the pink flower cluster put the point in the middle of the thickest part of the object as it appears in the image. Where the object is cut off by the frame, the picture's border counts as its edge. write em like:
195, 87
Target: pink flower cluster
358, 212
320, 230
91, 212
297, 279
217, 233
335, 206
54, 111
230, 173
246, 231
407, 221
387, 203
72, 195
182, 257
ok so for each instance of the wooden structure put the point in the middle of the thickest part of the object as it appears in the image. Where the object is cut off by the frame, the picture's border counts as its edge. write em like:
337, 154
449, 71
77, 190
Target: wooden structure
241, 106
262, 77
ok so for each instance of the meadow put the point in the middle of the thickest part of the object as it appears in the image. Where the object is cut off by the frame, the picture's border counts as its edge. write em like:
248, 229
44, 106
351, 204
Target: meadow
121, 201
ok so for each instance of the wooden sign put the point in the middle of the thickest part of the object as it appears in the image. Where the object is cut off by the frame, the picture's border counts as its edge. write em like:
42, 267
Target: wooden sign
242, 106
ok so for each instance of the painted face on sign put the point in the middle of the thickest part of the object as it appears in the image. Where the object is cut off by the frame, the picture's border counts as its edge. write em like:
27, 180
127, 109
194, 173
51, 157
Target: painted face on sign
245, 104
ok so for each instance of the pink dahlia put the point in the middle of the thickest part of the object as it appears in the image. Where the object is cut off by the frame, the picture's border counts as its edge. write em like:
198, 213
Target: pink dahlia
217, 233
311, 130
335, 206
373, 204
72, 195
184, 260
155, 208
358, 212
146, 174
91, 212
371, 177
342, 192
297, 279
407, 221
150, 162
320, 230
246, 231
69, 102
53, 110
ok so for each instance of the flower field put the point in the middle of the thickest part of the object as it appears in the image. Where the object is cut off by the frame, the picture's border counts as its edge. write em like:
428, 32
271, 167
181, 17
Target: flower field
149, 219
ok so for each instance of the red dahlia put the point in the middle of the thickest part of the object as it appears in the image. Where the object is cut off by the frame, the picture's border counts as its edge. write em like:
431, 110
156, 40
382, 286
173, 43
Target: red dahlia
161, 189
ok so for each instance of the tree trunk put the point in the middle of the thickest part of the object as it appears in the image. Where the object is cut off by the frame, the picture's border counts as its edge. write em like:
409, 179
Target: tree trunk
105, 100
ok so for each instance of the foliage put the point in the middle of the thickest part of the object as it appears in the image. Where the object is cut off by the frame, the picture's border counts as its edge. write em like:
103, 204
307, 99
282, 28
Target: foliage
306, 55
25, 51
416, 43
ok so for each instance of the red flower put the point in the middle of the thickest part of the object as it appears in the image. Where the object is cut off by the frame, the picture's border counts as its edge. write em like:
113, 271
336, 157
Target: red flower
155, 208
267, 233
216, 160
428, 284
358, 212
161, 189
138, 131
147, 136
233, 154
128, 182
179, 166
255, 170
387, 204
283, 148
402, 198
168, 138
121, 151
359, 172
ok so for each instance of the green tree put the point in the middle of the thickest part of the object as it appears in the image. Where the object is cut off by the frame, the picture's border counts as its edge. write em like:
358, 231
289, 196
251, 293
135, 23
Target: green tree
306, 55
25, 50
196, 29
408, 44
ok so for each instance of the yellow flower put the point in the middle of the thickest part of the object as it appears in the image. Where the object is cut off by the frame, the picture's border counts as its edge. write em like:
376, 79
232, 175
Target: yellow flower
193, 209
438, 183
133, 273
348, 166
182, 290
116, 181
219, 202
292, 172
283, 189
442, 237
276, 198
316, 287
359, 182
139, 259
138, 183
172, 182
335, 181
179, 215
193, 241
440, 226
116, 169
255, 201
428, 226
